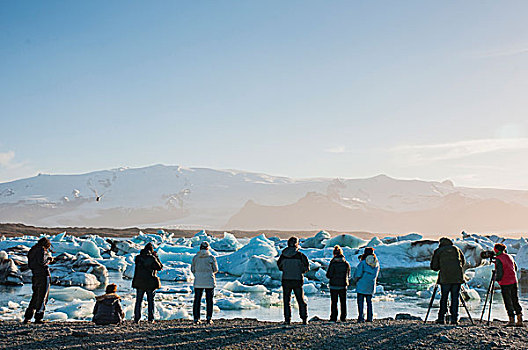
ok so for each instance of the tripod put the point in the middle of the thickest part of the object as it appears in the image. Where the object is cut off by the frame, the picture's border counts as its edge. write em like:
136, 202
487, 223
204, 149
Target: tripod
461, 300
489, 293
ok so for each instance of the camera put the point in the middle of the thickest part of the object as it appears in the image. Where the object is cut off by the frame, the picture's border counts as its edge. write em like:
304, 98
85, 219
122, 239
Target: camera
488, 254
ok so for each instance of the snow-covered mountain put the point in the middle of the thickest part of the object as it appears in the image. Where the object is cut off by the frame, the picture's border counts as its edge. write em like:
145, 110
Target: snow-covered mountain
227, 199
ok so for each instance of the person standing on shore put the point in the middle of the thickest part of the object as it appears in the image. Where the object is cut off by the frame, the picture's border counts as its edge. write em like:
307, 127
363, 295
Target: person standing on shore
293, 265
146, 280
366, 276
204, 268
108, 308
506, 276
39, 258
338, 273
450, 261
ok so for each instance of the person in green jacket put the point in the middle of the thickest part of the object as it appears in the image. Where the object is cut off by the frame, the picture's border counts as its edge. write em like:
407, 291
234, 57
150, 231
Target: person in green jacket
450, 261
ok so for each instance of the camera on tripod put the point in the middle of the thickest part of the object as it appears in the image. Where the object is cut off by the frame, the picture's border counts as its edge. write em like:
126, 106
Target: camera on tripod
488, 254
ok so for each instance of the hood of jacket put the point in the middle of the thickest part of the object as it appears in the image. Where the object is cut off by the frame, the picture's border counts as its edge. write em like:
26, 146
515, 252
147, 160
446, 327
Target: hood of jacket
339, 258
202, 253
444, 242
111, 297
372, 261
290, 251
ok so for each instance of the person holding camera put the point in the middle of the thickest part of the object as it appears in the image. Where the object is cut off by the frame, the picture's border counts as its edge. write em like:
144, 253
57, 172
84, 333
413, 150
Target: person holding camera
449, 261
146, 280
506, 276
39, 257
366, 276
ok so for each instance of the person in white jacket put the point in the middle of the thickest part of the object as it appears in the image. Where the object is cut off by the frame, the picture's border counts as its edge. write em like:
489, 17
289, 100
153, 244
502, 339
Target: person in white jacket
204, 267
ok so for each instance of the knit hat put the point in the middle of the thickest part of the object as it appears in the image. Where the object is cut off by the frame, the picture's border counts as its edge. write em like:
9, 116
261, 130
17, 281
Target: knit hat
204, 245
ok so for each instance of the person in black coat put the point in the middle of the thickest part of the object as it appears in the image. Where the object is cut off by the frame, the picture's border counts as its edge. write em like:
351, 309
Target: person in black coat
338, 273
293, 265
38, 260
145, 280
107, 308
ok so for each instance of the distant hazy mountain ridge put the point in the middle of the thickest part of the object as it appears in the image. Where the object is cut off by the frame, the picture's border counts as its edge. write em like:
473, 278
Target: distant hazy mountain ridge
224, 199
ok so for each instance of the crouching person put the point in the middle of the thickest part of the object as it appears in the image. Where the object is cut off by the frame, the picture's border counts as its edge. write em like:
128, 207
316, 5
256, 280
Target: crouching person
366, 276
107, 308
506, 276
204, 267
293, 265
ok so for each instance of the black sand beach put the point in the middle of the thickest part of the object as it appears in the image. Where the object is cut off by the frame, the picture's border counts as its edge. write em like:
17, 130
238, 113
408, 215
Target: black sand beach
252, 334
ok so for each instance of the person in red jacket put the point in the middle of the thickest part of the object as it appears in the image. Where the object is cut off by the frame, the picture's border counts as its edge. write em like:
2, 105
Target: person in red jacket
506, 276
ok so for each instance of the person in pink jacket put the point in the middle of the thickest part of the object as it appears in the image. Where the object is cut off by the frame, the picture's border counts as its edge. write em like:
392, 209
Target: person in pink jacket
506, 276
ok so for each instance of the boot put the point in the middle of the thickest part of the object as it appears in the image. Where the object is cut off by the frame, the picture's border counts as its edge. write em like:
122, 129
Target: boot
519, 321
511, 321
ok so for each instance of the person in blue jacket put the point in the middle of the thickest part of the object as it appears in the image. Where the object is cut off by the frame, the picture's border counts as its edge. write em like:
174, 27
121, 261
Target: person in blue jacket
365, 276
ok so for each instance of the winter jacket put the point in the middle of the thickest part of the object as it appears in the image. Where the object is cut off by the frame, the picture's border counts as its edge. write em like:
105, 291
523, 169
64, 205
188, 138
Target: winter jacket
449, 260
293, 264
366, 275
38, 261
108, 310
145, 275
505, 269
338, 272
204, 267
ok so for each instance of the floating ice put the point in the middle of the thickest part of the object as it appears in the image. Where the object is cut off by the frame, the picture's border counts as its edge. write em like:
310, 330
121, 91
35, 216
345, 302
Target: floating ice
56, 316
345, 241
374, 242
310, 288
71, 293
236, 304
227, 244
317, 241
235, 263
77, 309
236, 286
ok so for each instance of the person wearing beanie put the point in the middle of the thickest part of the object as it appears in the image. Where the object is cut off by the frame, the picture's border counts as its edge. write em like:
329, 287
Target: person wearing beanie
39, 258
449, 261
506, 276
293, 265
107, 308
338, 274
145, 280
204, 267
366, 276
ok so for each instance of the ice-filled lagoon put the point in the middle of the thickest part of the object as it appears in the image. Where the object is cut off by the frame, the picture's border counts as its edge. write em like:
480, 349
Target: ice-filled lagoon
249, 282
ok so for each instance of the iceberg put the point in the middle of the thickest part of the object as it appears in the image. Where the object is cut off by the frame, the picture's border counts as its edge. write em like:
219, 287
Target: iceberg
227, 244
310, 288
56, 316
77, 309
235, 263
317, 241
345, 240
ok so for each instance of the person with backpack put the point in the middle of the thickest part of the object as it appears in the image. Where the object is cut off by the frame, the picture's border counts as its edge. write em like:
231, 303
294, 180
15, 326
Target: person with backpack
506, 276
366, 276
145, 280
108, 308
204, 268
293, 265
450, 261
39, 257
338, 274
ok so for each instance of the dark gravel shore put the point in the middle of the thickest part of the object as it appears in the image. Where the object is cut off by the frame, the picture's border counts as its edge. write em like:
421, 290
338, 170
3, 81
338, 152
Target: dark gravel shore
252, 334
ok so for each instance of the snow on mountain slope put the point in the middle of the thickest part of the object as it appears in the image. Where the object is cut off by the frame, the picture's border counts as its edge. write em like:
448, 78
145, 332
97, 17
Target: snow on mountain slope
201, 197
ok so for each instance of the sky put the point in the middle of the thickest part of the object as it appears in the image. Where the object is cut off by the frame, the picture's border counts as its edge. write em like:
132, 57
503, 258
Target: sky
430, 90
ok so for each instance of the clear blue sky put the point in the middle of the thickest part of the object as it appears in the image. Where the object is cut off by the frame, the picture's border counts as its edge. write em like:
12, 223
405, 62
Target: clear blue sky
412, 89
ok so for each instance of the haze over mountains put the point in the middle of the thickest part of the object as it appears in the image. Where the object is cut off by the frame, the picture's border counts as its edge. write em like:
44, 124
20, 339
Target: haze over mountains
174, 196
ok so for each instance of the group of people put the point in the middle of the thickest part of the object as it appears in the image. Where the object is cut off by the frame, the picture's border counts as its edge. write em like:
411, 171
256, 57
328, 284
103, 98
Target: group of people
447, 259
